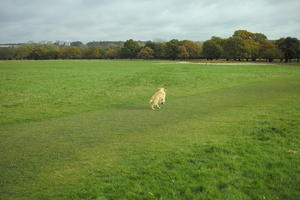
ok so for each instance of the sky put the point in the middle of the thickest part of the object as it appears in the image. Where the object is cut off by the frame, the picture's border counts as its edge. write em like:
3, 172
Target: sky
157, 20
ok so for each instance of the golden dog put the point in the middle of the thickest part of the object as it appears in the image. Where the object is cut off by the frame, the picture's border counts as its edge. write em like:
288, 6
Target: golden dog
158, 97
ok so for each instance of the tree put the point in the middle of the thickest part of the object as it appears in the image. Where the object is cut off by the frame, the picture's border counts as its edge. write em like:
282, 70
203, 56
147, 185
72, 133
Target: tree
251, 46
235, 48
130, 49
269, 51
23, 52
146, 53
289, 46
252, 49
159, 50
39, 52
7, 53
298, 52
259, 37
193, 48
150, 44
172, 49
53, 51
77, 44
70, 52
112, 53
212, 50
93, 53
244, 34
183, 53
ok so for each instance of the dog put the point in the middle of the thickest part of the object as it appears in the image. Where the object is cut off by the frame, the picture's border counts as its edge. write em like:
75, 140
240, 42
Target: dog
158, 97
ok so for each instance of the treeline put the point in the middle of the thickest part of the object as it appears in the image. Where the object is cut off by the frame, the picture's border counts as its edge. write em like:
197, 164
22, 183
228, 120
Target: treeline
246, 45
242, 45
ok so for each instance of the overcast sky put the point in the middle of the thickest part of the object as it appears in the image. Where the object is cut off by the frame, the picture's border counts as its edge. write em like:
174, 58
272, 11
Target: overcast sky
94, 20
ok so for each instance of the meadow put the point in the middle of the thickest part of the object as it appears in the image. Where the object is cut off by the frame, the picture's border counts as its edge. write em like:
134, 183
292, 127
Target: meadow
83, 129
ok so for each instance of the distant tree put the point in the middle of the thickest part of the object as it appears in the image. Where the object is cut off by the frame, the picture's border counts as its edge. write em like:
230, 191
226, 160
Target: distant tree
53, 51
218, 40
105, 44
23, 52
252, 42
289, 46
112, 53
252, 49
172, 49
193, 49
70, 52
269, 51
298, 52
146, 53
39, 52
259, 37
244, 34
183, 53
62, 43
235, 48
130, 49
93, 53
150, 44
159, 50
212, 50
93, 44
77, 44
7, 53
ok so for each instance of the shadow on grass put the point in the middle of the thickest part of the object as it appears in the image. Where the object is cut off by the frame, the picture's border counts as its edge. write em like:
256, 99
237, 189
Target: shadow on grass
141, 107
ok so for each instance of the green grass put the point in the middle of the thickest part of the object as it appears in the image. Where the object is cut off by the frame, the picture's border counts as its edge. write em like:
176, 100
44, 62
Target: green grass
84, 130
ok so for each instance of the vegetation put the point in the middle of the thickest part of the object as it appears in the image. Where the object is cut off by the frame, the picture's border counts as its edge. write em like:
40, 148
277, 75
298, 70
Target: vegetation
130, 49
146, 53
241, 45
83, 129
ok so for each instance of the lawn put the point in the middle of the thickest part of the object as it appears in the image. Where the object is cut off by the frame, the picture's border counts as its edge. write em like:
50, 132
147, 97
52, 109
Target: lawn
83, 129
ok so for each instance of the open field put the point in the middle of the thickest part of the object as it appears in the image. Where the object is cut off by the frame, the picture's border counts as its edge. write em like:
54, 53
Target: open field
83, 129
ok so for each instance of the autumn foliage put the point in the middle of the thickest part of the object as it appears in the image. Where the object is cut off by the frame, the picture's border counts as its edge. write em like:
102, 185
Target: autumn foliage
242, 45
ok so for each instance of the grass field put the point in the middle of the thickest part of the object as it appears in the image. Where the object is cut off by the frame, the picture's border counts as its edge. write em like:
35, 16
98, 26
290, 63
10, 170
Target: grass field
83, 129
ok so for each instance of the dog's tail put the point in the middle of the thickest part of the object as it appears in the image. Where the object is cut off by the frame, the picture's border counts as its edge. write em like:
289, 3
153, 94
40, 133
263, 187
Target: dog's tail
151, 100
150, 103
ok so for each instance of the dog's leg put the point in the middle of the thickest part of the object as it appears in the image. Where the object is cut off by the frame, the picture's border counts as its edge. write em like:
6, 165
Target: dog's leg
163, 101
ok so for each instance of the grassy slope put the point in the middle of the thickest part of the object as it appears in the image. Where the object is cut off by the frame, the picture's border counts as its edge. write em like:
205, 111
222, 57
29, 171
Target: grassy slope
224, 133
35, 90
